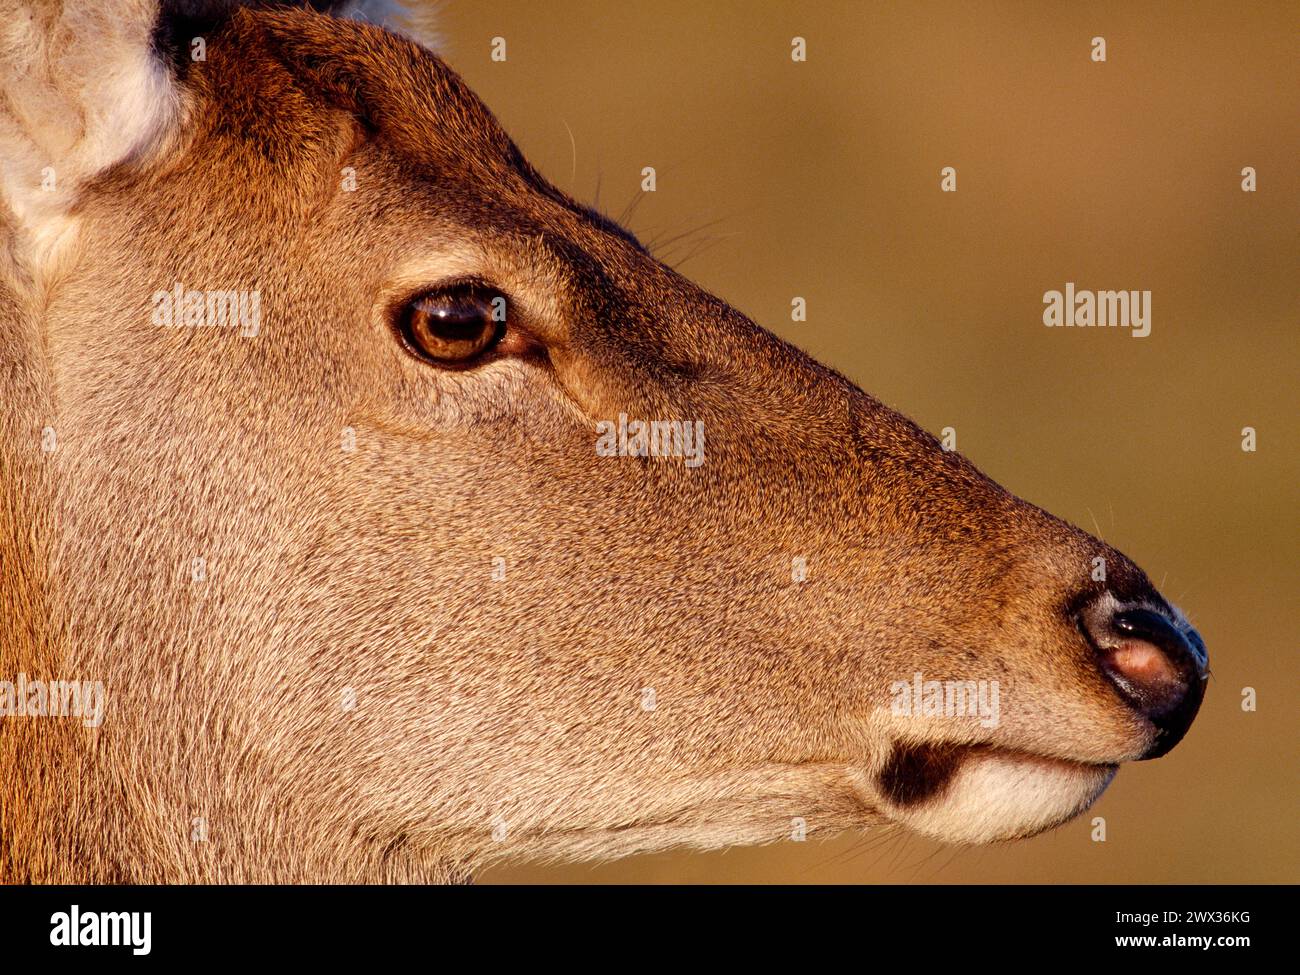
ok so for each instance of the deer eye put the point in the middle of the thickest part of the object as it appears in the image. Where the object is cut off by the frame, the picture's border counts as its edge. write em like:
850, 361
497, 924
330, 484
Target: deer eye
452, 325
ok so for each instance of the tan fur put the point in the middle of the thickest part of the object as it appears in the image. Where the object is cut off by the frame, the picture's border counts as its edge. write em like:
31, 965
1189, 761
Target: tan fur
493, 718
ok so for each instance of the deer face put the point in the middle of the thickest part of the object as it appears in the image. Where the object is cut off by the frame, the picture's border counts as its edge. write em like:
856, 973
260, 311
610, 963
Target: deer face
385, 578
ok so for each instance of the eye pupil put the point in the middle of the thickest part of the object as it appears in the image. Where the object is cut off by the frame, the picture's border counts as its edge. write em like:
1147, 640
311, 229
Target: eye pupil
452, 325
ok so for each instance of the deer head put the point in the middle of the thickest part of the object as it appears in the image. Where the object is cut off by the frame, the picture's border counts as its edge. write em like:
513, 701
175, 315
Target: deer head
330, 450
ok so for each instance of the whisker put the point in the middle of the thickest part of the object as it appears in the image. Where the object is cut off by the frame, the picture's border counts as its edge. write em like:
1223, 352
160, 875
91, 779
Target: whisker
658, 244
573, 147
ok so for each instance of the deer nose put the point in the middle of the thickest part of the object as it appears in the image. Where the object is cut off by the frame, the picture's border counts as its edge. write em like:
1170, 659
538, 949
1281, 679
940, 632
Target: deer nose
1158, 665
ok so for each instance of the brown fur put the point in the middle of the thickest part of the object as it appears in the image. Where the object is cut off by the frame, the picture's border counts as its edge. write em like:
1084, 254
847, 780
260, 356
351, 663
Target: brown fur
510, 706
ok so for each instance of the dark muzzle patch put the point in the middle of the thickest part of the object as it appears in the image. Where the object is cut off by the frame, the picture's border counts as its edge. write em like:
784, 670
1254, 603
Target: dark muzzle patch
917, 773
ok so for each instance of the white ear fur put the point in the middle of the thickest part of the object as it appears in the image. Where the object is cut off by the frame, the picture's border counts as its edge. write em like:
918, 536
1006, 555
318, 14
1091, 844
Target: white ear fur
83, 90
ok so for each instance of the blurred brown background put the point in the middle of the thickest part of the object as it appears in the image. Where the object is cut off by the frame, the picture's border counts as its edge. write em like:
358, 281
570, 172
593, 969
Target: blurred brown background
821, 180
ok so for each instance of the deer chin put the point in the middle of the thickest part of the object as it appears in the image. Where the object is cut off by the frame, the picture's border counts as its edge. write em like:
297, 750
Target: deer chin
982, 794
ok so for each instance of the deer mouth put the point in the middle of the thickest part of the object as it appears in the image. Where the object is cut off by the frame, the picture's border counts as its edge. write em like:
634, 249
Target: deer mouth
982, 793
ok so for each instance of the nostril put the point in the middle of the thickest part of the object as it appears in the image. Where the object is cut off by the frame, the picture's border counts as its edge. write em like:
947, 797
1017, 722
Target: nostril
1182, 646
1153, 657
1142, 663
1158, 666
1146, 656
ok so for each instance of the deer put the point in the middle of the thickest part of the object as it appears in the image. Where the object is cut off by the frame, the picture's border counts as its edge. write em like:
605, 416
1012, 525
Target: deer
366, 601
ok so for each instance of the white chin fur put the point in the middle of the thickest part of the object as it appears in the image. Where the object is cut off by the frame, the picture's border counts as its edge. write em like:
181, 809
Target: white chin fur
995, 795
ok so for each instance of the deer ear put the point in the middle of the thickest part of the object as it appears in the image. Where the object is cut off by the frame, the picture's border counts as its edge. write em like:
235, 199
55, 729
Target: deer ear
84, 90
417, 21
384, 78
